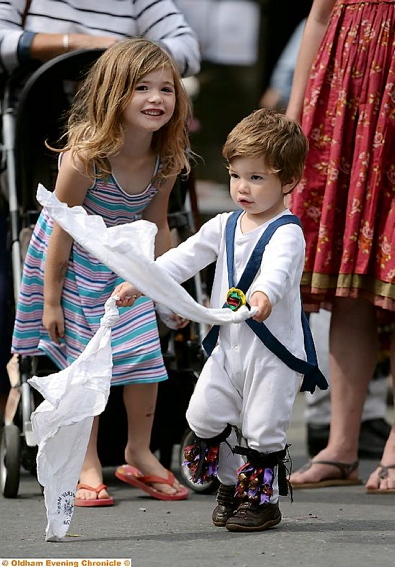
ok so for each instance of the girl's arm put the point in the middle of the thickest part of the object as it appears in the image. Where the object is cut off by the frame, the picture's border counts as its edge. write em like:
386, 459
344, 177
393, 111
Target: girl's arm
71, 188
156, 212
313, 34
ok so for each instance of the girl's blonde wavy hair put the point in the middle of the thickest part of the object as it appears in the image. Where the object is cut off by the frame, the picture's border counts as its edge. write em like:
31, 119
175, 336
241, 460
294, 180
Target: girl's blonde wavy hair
95, 132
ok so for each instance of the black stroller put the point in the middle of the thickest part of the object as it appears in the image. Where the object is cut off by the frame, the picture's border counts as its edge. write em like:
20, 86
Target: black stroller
32, 111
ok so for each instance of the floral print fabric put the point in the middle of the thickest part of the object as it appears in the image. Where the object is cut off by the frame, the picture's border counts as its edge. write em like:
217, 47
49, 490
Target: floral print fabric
346, 200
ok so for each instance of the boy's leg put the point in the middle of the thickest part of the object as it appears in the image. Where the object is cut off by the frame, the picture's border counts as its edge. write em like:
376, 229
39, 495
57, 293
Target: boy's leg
267, 413
214, 405
228, 465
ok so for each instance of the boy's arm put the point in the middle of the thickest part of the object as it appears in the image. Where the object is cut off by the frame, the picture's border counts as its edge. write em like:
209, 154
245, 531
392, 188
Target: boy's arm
184, 261
197, 252
282, 264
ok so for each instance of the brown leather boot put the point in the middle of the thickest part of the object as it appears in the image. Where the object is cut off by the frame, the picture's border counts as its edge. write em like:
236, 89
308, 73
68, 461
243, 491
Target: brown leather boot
227, 504
252, 518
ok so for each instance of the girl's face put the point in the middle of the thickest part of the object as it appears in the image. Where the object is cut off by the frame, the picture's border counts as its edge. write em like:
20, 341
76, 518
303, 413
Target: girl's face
152, 103
256, 190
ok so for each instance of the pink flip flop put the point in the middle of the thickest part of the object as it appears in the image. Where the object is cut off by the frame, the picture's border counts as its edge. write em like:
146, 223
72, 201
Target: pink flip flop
95, 502
133, 476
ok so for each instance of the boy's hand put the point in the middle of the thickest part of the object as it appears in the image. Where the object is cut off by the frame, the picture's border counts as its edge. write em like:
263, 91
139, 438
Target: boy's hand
127, 294
261, 301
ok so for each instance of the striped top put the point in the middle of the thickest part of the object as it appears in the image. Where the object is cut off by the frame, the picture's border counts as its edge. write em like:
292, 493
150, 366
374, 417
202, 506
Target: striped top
156, 20
88, 284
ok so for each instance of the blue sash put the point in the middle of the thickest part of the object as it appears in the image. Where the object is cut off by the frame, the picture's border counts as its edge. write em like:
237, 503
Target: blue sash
309, 368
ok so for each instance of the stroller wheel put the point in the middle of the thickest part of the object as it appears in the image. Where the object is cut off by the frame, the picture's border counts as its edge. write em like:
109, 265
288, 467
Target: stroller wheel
28, 459
206, 487
10, 457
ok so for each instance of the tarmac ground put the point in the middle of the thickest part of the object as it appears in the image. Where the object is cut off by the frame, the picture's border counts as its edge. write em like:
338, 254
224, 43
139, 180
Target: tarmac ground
329, 527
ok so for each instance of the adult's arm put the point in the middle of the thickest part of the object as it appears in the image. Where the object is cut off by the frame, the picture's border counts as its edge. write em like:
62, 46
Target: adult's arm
279, 90
162, 21
97, 27
313, 34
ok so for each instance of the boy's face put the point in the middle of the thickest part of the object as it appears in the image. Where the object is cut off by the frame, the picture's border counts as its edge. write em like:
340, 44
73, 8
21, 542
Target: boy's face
255, 189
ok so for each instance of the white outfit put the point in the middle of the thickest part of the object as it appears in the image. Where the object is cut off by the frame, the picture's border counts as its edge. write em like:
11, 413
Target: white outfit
159, 21
242, 382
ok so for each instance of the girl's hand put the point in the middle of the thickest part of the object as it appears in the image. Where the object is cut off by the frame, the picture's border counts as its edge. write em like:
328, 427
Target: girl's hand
53, 321
261, 301
127, 294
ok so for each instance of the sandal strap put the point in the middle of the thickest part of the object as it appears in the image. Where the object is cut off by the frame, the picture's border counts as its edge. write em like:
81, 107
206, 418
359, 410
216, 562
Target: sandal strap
383, 472
96, 489
151, 479
345, 468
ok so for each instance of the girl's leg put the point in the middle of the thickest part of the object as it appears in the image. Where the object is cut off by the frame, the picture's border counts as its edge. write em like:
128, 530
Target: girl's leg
352, 360
140, 402
387, 480
91, 473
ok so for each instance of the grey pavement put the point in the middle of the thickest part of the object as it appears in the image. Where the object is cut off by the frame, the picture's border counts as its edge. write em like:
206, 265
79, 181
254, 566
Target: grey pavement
332, 527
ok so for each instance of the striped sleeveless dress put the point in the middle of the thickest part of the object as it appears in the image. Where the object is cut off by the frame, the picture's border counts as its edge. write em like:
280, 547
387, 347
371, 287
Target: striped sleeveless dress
88, 284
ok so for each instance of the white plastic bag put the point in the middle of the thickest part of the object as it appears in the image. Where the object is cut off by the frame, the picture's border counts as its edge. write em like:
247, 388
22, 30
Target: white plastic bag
62, 423
128, 250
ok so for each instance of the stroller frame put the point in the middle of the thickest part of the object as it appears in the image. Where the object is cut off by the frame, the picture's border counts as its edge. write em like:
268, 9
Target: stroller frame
21, 94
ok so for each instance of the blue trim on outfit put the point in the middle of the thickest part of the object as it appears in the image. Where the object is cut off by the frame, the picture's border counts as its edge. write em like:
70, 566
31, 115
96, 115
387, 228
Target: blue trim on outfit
309, 368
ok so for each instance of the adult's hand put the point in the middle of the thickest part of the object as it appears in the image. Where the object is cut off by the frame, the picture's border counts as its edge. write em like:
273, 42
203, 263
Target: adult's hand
46, 46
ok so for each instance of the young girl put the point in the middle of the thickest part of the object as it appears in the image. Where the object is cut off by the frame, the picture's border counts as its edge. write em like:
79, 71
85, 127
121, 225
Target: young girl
127, 142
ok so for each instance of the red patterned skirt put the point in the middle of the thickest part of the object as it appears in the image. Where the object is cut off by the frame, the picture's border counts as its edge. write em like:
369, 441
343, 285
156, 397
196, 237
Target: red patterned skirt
346, 201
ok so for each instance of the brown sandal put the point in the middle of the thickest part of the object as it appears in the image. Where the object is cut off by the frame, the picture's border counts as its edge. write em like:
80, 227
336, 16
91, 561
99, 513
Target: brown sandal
345, 470
382, 473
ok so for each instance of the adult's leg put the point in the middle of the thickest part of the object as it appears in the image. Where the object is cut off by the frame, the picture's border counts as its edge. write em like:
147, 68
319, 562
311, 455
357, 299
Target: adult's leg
384, 479
374, 426
353, 357
140, 402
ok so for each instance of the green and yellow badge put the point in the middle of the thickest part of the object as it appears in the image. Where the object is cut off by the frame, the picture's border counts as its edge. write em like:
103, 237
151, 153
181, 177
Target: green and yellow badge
235, 298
